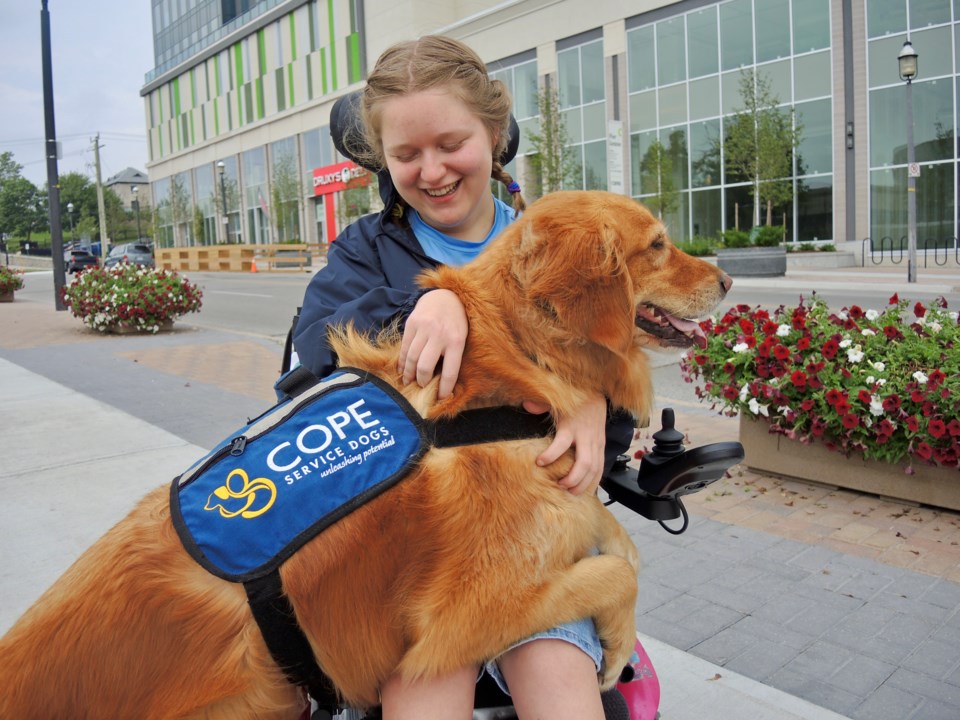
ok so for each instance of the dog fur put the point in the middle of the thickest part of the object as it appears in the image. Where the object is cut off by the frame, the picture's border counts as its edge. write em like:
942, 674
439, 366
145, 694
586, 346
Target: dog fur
477, 548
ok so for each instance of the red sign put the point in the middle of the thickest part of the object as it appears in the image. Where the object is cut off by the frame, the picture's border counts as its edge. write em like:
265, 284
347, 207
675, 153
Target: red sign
334, 178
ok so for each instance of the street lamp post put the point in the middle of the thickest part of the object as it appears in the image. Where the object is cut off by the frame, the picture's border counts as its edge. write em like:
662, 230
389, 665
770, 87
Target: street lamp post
221, 169
907, 59
136, 206
73, 235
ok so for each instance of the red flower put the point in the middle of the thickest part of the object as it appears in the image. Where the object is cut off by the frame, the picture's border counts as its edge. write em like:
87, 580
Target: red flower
769, 328
953, 427
856, 312
864, 397
700, 359
918, 396
894, 299
850, 421
799, 379
923, 450
803, 343
781, 352
936, 377
729, 368
937, 428
830, 348
834, 396
730, 392
842, 407
746, 326
891, 403
807, 405
913, 424
919, 310
892, 333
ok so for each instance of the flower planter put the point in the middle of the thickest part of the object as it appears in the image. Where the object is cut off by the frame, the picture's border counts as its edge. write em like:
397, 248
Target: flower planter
778, 455
753, 261
123, 328
6, 297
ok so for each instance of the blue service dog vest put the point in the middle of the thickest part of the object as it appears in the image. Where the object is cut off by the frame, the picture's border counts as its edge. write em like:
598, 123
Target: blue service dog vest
304, 464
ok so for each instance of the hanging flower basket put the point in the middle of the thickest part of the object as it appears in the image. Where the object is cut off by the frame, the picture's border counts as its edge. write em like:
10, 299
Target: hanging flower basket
876, 385
131, 298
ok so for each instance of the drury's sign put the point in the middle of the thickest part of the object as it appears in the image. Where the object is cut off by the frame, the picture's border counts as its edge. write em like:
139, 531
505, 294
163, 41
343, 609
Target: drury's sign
334, 178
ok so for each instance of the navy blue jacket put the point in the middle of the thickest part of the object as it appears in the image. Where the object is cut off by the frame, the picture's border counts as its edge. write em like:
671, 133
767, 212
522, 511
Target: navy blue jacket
370, 280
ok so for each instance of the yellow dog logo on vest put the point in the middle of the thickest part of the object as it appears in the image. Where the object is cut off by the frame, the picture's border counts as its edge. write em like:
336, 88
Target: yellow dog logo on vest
248, 492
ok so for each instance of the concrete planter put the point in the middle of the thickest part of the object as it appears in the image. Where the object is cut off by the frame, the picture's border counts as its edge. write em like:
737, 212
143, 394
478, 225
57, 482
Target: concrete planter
753, 261
775, 454
6, 297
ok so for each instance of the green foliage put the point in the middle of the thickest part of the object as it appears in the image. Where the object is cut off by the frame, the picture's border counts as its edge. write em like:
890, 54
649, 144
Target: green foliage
698, 245
657, 176
553, 167
767, 236
733, 238
760, 139
827, 247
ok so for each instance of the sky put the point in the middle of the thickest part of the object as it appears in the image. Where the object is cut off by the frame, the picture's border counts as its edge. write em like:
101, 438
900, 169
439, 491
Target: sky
101, 50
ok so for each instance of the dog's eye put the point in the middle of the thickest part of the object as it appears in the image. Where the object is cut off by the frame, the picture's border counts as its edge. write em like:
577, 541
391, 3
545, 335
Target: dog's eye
658, 243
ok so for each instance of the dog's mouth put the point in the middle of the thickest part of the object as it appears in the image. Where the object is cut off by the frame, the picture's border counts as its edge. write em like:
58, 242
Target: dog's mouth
668, 329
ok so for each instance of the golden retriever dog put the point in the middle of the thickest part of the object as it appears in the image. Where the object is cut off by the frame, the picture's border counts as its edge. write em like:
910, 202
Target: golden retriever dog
475, 549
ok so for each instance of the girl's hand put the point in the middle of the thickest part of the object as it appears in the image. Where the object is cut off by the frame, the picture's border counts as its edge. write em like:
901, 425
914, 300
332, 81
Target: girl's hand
437, 328
586, 432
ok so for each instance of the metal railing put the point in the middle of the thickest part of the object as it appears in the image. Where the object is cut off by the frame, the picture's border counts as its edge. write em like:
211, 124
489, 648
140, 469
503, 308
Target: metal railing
943, 252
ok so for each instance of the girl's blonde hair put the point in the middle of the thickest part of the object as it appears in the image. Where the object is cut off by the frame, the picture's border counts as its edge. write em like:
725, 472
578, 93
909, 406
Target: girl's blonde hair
430, 62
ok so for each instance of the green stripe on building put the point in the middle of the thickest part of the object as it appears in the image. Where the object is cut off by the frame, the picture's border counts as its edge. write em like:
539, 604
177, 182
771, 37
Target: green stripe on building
193, 133
261, 107
323, 71
293, 38
261, 52
333, 47
311, 17
290, 83
238, 64
308, 63
353, 58
216, 117
193, 88
176, 97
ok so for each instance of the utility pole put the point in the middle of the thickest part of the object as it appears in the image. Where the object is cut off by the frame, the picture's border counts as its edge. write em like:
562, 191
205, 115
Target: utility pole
53, 177
104, 241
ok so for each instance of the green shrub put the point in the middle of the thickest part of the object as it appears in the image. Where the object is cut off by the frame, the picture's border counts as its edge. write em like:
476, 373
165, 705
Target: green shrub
767, 235
733, 238
829, 247
698, 245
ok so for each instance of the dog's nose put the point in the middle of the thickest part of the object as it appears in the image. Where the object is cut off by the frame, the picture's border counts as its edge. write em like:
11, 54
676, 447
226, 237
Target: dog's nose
726, 282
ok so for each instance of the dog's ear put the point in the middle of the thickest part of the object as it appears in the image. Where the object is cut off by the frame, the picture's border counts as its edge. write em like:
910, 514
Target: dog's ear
575, 269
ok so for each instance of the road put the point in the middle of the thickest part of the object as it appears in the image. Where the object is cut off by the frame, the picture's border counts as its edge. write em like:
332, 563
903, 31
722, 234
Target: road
263, 304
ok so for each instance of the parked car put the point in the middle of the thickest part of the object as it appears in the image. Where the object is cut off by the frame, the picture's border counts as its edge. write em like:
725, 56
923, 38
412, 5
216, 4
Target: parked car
133, 253
77, 260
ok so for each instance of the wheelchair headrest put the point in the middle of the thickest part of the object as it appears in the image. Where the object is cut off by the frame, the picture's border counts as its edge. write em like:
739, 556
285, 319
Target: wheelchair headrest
346, 129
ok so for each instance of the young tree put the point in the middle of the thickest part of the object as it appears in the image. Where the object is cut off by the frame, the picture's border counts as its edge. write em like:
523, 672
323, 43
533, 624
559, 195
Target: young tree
286, 190
761, 138
552, 165
657, 176
20, 207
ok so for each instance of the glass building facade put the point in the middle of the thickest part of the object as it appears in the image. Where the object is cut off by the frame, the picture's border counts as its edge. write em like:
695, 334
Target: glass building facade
646, 101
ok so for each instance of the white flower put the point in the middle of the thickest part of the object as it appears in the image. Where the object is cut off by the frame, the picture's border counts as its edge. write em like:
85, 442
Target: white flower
855, 354
843, 315
757, 408
954, 315
920, 377
784, 409
878, 366
935, 326
743, 393
846, 342
872, 315
870, 380
881, 381
783, 330
867, 332
876, 406
741, 347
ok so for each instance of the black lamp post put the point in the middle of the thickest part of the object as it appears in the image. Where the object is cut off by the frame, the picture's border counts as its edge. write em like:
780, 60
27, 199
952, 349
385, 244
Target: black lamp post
907, 59
136, 206
221, 169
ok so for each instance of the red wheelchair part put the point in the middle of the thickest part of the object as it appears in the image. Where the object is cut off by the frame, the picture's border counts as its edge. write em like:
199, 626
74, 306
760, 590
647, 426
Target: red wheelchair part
640, 686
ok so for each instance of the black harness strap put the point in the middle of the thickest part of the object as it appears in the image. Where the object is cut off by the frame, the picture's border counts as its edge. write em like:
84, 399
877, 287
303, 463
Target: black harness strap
285, 639
271, 608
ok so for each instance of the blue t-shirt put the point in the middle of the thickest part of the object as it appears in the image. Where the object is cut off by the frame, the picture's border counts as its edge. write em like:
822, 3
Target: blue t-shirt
450, 251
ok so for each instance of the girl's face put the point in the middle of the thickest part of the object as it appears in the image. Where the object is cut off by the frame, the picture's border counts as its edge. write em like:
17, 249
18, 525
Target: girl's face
439, 155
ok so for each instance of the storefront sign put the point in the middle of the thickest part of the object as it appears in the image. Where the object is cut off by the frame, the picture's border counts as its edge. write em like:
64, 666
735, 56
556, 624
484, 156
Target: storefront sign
334, 178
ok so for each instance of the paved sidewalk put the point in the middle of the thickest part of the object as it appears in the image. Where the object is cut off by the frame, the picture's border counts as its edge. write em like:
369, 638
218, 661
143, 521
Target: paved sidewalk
783, 600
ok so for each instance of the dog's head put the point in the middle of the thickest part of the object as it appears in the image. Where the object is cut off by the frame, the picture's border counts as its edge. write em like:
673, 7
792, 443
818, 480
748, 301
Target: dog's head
603, 266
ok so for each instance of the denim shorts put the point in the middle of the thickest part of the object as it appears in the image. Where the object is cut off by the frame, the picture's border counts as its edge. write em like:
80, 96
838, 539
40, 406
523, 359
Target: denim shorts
582, 633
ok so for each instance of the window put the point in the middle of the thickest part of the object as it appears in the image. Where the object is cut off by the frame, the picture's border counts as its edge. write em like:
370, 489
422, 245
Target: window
702, 37
580, 78
773, 29
736, 34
